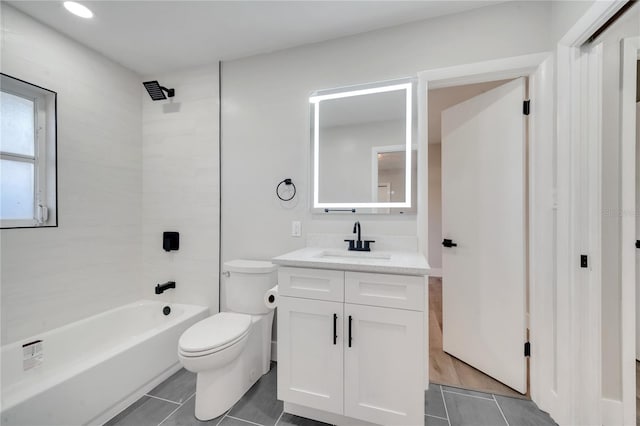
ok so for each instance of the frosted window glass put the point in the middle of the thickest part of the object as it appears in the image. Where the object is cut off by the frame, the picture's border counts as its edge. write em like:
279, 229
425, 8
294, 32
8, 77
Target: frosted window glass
17, 129
16, 190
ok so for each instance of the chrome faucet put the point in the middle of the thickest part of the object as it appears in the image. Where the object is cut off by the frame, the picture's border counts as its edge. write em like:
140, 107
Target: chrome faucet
359, 245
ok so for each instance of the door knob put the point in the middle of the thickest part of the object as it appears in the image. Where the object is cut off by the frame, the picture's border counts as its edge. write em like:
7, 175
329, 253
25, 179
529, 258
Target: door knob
449, 243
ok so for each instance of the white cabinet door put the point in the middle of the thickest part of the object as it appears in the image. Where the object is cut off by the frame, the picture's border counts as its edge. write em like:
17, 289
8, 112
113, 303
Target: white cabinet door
310, 353
483, 212
384, 363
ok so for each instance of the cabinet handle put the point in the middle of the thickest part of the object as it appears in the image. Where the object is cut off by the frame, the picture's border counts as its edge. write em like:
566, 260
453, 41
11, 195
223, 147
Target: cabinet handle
335, 328
350, 320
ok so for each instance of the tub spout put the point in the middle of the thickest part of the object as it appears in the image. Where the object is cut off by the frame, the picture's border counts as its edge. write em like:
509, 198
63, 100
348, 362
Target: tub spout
160, 288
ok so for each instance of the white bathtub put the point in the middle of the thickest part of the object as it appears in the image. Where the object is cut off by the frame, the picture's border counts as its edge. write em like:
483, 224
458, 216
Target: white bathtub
95, 367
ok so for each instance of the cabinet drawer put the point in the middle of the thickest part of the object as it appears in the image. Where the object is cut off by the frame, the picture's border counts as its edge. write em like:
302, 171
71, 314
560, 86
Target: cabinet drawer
320, 284
393, 291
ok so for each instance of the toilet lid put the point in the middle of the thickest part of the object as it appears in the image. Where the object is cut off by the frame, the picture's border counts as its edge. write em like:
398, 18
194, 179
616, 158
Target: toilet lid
215, 331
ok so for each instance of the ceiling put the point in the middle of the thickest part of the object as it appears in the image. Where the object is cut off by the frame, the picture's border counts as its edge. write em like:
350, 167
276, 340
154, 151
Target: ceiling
158, 36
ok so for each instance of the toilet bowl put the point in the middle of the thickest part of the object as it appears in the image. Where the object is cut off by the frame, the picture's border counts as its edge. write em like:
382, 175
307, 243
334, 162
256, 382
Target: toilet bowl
230, 351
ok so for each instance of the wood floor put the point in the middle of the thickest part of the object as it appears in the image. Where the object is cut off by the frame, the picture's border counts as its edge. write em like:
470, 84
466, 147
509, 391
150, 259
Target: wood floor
447, 370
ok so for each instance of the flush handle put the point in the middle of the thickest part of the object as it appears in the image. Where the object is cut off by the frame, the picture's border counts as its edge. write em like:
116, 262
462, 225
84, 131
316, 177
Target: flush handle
335, 329
350, 321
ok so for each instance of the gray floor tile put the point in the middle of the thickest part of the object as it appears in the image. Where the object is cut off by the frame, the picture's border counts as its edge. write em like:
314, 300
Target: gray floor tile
145, 411
178, 388
228, 421
433, 402
467, 392
185, 416
468, 410
259, 404
521, 412
434, 421
291, 420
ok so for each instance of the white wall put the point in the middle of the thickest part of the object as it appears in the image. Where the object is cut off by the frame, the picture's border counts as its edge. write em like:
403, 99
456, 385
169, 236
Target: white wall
181, 187
435, 206
564, 14
626, 26
265, 116
91, 261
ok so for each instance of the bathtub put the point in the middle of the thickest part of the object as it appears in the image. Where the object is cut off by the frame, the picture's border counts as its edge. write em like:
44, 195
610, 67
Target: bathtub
93, 368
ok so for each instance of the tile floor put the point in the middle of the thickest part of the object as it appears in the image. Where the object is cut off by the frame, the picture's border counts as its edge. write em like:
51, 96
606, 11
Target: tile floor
172, 404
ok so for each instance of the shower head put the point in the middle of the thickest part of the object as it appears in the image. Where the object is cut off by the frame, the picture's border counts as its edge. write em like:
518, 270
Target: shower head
157, 92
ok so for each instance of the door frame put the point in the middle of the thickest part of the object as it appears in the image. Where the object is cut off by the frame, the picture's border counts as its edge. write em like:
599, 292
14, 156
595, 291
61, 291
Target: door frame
630, 55
540, 195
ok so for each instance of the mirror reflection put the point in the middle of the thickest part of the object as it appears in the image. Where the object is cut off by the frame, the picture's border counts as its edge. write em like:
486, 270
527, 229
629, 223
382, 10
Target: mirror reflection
363, 149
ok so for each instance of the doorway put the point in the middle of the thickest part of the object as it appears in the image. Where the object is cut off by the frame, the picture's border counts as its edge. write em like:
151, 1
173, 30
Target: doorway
457, 357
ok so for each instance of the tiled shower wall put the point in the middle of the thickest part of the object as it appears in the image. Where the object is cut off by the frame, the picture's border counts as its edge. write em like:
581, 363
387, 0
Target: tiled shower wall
91, 261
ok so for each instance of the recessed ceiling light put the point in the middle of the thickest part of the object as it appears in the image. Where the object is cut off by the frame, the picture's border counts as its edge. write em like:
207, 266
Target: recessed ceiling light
78, 9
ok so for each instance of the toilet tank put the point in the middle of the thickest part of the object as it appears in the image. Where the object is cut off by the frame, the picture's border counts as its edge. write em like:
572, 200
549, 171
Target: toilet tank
248, 281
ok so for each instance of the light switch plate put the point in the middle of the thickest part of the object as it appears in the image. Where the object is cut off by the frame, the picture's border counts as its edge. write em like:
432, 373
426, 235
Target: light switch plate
296, 228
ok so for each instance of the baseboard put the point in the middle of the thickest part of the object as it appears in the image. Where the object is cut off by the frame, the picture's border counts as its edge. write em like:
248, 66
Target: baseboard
116, 409
274, 351
435, 272
611, 412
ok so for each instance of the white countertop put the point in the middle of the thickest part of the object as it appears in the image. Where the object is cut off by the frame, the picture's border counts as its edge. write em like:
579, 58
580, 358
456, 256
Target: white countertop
386, 262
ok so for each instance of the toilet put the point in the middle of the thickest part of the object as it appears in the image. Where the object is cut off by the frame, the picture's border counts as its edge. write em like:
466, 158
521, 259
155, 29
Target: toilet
231, 350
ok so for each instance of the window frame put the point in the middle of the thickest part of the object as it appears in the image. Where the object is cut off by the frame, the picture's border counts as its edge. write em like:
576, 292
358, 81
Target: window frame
45, 212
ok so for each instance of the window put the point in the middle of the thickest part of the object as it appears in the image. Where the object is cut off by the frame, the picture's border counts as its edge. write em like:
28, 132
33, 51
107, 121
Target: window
27, 154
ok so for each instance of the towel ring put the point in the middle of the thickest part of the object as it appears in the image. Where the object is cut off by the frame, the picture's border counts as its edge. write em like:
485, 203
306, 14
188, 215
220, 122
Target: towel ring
286, 182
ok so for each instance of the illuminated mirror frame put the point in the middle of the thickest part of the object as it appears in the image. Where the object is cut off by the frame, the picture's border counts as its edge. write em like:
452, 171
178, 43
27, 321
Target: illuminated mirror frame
317, 100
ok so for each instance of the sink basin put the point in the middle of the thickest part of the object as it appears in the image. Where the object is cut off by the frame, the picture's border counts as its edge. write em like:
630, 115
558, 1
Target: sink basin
346, 254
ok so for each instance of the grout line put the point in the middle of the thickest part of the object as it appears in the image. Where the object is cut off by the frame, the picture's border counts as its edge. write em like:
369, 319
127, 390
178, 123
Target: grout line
223, 417
436, 417
446, 410
500, 408
469, 395
185, 401
162, 399
243, 420
170, 414
279, 417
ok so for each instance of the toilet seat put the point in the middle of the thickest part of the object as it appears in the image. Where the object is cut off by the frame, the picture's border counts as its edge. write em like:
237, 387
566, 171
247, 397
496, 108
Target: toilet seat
214, 334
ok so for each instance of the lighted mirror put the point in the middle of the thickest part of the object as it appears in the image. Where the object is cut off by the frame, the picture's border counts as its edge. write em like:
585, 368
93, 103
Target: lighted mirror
363, 151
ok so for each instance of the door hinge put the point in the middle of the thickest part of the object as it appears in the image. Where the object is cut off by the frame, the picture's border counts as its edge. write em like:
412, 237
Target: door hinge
526, 107
527, 349
584, 261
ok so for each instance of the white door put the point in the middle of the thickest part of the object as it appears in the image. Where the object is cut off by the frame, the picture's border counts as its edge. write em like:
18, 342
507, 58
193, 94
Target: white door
637, 229
483, 212
383, 381
310, 350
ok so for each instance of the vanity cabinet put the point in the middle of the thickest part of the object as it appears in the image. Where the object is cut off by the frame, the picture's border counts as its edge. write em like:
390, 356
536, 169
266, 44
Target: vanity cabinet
361, 354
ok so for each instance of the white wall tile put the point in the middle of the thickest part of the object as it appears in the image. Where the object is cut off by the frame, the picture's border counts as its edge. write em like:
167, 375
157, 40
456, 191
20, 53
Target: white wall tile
181, 188
92, 261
